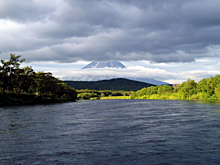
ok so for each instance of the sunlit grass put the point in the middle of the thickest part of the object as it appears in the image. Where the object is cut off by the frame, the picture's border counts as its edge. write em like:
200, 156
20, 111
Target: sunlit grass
116, 97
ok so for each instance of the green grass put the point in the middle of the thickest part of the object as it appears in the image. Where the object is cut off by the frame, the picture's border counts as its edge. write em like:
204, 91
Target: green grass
115, 97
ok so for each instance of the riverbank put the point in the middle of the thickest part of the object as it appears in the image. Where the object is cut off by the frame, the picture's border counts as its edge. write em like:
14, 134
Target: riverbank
173, 96
26, 99
115, 97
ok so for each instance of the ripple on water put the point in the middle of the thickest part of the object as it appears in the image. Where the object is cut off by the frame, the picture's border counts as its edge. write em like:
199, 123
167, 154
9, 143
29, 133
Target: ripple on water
111, 132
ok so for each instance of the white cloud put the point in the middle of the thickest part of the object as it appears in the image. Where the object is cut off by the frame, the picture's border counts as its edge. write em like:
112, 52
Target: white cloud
139, 72
174, 73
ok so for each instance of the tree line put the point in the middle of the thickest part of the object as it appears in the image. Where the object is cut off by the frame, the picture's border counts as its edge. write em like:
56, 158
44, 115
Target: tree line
24, 80
85, 94
207, 88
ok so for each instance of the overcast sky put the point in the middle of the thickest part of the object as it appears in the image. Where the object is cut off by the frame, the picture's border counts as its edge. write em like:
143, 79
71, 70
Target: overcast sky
169, 40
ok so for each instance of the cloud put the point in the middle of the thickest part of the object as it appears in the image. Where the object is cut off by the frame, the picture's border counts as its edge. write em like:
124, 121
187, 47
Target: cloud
133, 71
23, 11
137, 72
71, 30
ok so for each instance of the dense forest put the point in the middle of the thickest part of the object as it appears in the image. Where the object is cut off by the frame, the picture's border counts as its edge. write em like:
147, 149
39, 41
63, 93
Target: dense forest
117, 84
22, 82
207, 88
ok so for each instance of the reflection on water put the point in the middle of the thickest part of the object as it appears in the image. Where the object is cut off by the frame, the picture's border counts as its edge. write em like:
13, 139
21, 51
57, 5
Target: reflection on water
111, 132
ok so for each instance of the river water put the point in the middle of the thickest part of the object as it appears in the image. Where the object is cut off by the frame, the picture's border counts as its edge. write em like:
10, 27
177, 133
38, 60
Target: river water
118, 132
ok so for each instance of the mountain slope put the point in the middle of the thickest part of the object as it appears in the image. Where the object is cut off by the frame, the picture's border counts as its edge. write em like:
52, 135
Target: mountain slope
148, 80
108, 77
113, 84
109, 64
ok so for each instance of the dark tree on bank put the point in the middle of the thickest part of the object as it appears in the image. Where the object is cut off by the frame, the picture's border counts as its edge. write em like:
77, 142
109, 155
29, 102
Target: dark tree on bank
9, 71
14, 79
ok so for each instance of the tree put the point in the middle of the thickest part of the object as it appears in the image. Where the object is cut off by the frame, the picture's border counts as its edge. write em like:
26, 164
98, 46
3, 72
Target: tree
25, 80
188, 88
9, 71
165, 89
44, 83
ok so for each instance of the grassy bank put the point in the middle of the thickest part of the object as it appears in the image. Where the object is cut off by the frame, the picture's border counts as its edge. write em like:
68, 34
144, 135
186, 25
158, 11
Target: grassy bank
116, 97
25, 99
171, 96
155, 96
175, 96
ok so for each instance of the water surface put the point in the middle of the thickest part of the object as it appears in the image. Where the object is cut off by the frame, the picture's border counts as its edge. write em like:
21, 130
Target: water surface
111, 132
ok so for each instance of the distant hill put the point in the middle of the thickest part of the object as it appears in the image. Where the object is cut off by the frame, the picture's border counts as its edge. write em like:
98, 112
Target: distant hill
113, 84
108, 77
148, 80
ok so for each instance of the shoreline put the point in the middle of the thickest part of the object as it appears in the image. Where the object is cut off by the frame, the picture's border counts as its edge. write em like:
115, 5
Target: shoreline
10, 99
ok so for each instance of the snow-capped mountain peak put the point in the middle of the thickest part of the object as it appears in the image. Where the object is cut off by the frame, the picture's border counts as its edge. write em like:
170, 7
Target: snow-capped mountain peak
109, 64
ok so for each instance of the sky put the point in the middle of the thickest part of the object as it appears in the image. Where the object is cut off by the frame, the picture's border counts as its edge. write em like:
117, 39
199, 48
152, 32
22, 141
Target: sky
167, 40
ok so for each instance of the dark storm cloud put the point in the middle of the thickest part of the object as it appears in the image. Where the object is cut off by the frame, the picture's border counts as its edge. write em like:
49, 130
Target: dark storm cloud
72, 30
24, 11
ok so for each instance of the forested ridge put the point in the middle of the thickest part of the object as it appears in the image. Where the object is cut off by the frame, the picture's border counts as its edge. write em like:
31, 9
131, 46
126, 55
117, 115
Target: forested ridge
116, 84
20, 83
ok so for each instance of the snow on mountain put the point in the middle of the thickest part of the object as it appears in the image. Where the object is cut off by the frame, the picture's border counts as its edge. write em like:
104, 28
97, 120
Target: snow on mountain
109, 64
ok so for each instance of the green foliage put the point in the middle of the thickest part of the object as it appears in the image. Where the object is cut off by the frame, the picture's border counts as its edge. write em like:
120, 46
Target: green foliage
207, 88
116, 97
187, 89
152, 92
9, 72
165, 89
94, 94
14, 79
85, 96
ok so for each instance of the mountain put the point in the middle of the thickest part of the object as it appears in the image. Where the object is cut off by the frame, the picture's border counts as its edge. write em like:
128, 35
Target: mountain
109, 64
113, 84
108, 77
148, 80
90, 78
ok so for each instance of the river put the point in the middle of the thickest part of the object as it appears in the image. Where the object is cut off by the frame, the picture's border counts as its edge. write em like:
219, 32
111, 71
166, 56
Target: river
119, 132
